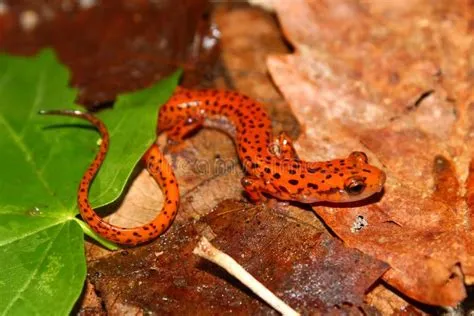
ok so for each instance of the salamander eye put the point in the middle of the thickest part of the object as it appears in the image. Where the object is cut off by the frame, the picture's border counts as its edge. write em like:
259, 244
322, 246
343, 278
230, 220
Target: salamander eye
354, 186
359, 156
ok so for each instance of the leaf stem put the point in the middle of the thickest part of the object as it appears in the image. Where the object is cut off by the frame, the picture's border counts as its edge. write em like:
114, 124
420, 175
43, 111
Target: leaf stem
92, 234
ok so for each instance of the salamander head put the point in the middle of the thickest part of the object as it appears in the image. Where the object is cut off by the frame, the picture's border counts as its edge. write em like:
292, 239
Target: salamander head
344, 180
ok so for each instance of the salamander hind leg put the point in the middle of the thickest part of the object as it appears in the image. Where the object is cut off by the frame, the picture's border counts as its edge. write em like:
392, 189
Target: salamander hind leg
178, 133
282, 147
255, 187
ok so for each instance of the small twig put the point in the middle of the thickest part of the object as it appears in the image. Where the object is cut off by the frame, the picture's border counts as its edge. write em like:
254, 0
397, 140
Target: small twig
206, 250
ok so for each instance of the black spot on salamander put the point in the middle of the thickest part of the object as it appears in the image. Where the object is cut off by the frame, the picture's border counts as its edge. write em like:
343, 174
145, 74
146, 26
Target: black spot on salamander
136, 234
312, 186
366, 170
292, 171
341, 174
313, 170
283, 189
328, 176
267, 170
276, 176
293, 182
254, 165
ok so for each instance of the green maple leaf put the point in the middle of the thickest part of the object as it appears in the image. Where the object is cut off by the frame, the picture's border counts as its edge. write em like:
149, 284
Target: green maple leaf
42, 161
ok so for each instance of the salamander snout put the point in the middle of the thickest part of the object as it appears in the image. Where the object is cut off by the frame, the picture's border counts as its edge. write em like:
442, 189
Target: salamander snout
364, 179
342, 180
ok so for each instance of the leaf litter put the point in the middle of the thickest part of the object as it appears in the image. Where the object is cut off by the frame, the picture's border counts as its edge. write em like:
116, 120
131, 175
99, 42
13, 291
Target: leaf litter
361, 80
205, 192
304, 267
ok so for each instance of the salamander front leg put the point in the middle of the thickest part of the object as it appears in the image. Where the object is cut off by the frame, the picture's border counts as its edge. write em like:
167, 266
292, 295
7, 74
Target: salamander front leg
282, 147
253, 186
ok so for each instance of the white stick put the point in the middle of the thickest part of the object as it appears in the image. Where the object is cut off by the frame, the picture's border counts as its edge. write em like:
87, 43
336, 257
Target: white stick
206, 250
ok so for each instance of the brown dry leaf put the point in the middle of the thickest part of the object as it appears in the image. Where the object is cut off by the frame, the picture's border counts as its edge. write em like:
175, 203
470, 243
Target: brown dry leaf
91, 304
392, 79
307, 269
388, 303
115, 46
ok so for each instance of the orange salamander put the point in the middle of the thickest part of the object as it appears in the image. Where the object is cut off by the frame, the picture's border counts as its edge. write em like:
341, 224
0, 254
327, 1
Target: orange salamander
158, 168
271, 162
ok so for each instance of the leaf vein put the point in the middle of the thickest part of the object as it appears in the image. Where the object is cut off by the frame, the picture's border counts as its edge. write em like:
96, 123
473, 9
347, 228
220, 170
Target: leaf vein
12, 240
39, 94
23, 288
29, 157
